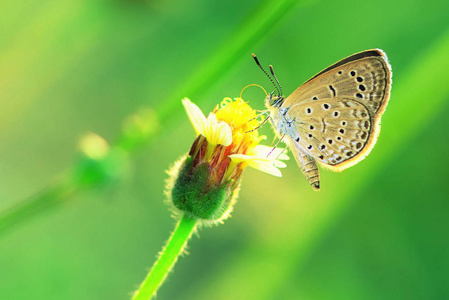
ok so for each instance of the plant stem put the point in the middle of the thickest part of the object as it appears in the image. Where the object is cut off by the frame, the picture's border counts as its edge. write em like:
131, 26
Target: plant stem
167, 259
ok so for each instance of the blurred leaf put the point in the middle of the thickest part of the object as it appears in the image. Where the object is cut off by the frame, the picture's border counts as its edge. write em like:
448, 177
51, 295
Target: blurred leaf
264, 19
44, 201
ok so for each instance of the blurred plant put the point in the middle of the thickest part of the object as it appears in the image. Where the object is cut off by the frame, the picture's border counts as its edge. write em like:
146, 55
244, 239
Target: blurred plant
143, 126
203, 185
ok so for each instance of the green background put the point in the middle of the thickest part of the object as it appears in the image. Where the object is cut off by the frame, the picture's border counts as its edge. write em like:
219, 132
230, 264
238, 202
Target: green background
376, 231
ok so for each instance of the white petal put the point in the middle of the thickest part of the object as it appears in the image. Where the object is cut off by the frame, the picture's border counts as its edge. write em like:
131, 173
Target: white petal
279, 164
264, 151
218, 132
262, 164
265, 166
240, 157
196, 116
225, 134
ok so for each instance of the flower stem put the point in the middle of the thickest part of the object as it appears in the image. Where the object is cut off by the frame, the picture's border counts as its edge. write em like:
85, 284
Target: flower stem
167, 259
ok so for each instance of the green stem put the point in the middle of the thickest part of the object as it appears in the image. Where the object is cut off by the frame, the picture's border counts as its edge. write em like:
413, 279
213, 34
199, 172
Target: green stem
167, 259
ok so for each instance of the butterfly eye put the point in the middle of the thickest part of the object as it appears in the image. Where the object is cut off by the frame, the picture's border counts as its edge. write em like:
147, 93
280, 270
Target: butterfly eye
275, 101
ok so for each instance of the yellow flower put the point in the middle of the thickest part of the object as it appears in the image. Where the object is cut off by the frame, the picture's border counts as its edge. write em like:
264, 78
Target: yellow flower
207, 182
232, 124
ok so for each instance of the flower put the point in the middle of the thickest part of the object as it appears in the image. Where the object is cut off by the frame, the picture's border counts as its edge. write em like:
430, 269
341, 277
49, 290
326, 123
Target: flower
233, 126
208, 179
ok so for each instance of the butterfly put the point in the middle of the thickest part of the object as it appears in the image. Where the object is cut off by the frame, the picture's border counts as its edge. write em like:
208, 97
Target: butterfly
334, 117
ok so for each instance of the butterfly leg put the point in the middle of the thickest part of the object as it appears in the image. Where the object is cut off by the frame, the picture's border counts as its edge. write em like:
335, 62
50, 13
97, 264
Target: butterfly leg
260, 125
275, 146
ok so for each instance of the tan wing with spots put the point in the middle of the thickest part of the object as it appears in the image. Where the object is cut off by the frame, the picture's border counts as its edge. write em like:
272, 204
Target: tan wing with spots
364, 76
337, 132
346, 102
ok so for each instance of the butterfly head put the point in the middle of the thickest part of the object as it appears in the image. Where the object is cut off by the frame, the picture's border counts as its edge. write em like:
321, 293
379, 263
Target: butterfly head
274, 101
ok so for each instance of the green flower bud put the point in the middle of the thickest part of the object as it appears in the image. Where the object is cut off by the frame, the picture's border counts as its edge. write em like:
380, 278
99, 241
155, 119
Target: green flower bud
194, 194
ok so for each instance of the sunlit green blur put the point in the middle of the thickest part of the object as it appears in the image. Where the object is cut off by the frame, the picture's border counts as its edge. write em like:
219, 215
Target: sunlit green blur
70, 68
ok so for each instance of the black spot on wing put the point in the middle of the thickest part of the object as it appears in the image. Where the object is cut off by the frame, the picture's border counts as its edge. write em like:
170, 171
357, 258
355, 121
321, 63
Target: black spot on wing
333, 91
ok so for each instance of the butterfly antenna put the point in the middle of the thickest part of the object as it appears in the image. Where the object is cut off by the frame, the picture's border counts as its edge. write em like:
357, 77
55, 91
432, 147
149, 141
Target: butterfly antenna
260, 66
277, 81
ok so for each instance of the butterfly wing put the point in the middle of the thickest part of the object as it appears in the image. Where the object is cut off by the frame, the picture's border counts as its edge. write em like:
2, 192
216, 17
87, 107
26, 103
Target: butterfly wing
364, 76
337, 132
343, 104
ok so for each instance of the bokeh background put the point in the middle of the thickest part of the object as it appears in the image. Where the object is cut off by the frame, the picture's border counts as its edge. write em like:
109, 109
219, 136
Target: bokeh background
376, 231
